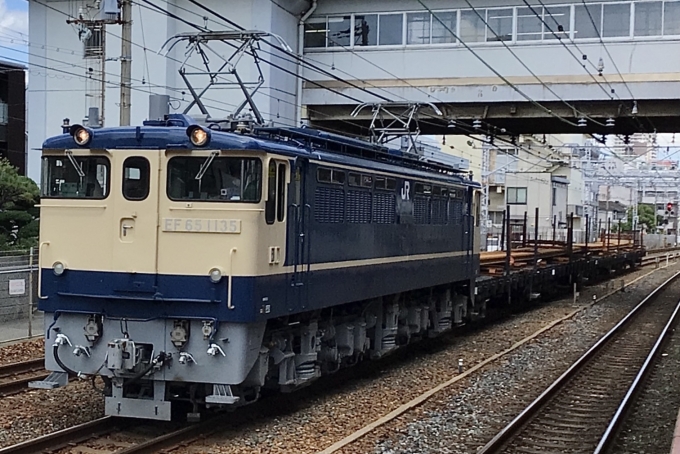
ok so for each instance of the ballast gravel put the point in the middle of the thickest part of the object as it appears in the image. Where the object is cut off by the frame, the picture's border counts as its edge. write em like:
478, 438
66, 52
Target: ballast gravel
312, 419
460, 418
22, 351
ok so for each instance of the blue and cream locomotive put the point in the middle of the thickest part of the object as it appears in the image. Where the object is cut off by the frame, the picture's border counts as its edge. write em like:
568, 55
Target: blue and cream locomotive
190, 264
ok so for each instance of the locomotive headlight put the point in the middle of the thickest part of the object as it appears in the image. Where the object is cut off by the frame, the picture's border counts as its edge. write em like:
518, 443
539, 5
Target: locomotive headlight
81, 135
58, 268
198, 136
215, 275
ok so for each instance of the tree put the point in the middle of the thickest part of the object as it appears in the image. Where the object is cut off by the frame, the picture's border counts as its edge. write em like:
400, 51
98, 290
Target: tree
18, 213
647, 219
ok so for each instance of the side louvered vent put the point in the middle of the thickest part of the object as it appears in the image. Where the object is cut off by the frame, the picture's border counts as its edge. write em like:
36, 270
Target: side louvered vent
421, 209
438, 211
329, 205
456, 210
384, 208
359, 207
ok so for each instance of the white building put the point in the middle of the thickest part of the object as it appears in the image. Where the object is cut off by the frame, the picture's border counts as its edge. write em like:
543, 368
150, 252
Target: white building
396, 49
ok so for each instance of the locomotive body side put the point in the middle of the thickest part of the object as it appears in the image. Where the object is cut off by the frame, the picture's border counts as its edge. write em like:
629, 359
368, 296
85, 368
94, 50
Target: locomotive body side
203, 274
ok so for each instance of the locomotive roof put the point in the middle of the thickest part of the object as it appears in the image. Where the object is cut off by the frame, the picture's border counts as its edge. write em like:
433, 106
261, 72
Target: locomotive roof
294, 142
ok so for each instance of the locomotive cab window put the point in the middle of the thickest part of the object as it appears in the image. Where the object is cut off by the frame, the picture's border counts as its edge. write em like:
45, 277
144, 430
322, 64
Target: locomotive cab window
75, 177
276, 196
215, 179
136, 173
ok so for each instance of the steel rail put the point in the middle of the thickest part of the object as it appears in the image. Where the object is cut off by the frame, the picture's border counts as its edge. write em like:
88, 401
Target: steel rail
516, 425
611, 433
22, 367
56, 440
14, 377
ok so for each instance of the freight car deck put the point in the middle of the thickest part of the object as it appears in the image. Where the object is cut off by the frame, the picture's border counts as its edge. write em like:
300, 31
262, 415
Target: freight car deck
528, 275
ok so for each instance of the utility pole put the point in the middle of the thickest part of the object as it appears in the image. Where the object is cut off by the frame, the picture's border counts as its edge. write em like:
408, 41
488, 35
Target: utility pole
125, 61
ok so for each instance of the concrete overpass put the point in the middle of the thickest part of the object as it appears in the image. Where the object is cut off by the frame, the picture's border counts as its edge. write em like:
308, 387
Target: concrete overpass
622, 70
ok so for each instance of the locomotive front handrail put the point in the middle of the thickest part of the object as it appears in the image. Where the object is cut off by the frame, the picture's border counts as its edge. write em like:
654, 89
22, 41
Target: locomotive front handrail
40, 256
230, 280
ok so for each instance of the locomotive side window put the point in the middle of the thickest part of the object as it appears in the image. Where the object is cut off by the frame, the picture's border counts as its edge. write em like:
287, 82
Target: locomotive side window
75, 177
136, 173
215, 179
270, 206
336, 176
389, 184
281, 194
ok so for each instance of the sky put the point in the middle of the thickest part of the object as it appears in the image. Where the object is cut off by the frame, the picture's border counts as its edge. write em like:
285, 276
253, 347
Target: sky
14, 27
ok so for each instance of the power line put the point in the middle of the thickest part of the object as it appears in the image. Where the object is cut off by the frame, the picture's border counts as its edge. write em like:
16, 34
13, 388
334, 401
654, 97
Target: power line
492, 69
546, 86
616, 67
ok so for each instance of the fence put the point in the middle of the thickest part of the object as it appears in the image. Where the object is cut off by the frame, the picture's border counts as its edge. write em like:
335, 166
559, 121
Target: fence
658, 241
18, 287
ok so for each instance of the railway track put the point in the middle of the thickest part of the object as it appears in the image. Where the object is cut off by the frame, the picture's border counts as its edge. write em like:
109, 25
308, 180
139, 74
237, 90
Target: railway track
14, 378
582, 409
109, 435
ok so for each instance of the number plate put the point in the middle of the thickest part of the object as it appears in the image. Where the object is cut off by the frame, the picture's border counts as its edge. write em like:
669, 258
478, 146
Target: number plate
202, 225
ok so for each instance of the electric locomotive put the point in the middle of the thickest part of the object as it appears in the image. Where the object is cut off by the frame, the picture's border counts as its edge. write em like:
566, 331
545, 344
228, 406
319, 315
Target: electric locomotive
197, 265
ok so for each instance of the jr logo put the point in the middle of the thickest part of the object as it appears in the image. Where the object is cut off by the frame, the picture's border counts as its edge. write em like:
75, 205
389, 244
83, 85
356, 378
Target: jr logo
405, 190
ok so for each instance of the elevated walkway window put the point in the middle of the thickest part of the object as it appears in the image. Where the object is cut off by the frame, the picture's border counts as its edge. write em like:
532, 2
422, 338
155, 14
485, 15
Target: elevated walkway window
648, 17
500, 21
616, 20
472, 28
671, 19
390, 29
529, 25
587, 21
558, 20
366, 30
315, 33
442, 33
339, 31
418, 28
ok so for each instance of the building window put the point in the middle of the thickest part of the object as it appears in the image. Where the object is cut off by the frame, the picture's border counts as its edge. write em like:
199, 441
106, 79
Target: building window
391, 28
517, 196
500, 24
315, 33
366, 30
339, 30
418, 28
529, 25
616, 20
587, 20
472, 28
554, 197
671, 18
557, 22
442, 26
648, 17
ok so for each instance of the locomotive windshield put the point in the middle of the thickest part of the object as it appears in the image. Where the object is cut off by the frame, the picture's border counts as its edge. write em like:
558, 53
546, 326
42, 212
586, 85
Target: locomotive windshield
75, 177
217, 180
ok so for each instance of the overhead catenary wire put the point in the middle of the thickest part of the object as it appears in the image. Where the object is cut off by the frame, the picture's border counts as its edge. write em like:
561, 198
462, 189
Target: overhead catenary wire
301, 60
492, 69
525, 66
188, 65
616, 67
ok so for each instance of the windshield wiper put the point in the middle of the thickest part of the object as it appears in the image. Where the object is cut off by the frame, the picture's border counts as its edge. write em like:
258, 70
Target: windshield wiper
206, 164
75, 165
